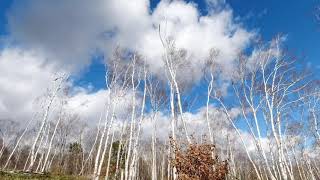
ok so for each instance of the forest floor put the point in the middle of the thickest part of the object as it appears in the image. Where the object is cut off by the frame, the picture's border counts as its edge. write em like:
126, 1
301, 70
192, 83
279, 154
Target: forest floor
4, 175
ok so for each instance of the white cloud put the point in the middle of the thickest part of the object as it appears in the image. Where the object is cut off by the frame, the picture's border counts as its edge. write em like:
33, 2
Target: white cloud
24, 80
90, 105
197, 127
67, 31
215, 3
71, 31
19, 88
196, 123
24, 76
62, 35
195, 33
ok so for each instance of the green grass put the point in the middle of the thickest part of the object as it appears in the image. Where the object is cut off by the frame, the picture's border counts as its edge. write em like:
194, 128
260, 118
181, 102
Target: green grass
22, 176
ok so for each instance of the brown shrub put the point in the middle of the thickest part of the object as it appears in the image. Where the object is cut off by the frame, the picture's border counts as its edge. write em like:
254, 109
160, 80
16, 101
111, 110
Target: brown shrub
198, 162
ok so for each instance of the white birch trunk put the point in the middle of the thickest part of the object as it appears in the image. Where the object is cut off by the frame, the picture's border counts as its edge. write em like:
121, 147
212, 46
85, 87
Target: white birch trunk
154, 153
109, 156
16, 146
44, 167
93, 146
127, 163
44, 120
96, 163
135, 151
119, 150
106, 142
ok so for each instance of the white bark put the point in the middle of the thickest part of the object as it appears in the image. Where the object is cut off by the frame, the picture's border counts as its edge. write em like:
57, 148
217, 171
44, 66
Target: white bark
53, 156
45, 167
173, 133
16, 146
241, 138
109, 156
154, 152
136, 143
119, 149
133, 121
163, 164
106, 142
173, 81
93, 146
2, 148
45, 118
97, 159
210, 88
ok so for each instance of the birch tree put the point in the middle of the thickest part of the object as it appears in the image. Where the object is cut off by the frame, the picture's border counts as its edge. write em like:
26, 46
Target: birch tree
57, 85
174, 58
270, 87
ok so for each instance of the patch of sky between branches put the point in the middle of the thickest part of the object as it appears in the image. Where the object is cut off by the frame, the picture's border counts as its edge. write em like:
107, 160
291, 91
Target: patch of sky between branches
93, 77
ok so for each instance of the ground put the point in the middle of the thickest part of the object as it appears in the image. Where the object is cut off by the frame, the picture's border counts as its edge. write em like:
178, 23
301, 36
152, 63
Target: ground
22, 176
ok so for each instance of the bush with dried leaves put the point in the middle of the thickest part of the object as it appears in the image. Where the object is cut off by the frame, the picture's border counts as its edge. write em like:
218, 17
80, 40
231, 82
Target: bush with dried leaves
198, 162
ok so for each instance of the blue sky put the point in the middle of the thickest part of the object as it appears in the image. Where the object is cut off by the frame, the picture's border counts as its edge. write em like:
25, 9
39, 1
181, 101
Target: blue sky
4, 6
42, 39
293, 18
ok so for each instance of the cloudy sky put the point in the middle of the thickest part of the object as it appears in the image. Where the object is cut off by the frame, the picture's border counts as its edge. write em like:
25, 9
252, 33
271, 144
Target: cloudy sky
41, 38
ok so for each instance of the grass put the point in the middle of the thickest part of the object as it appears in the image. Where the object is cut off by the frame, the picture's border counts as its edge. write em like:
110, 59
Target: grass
31, 176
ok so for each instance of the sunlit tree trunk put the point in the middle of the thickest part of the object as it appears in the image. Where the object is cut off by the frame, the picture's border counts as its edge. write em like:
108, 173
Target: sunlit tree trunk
45, 118
119, 160
44, 167
136, 143
16, 146
106, 141
97, 159
93, 146
109, 156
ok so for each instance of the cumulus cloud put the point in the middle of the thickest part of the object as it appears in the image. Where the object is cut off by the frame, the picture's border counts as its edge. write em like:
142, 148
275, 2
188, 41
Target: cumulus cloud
196, 123
24, 76
53, 36
71, 31
197, 126
199, 34
66, 31
91, 105
19, 89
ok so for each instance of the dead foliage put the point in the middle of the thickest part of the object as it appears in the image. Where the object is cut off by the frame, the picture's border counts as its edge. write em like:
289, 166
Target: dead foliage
198, 162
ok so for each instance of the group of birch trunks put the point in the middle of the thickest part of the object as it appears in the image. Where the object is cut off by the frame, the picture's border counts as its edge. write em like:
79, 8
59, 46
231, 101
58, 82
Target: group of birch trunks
274, 134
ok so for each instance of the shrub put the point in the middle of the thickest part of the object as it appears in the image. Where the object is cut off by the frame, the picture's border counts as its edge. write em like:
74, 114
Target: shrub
198, 162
